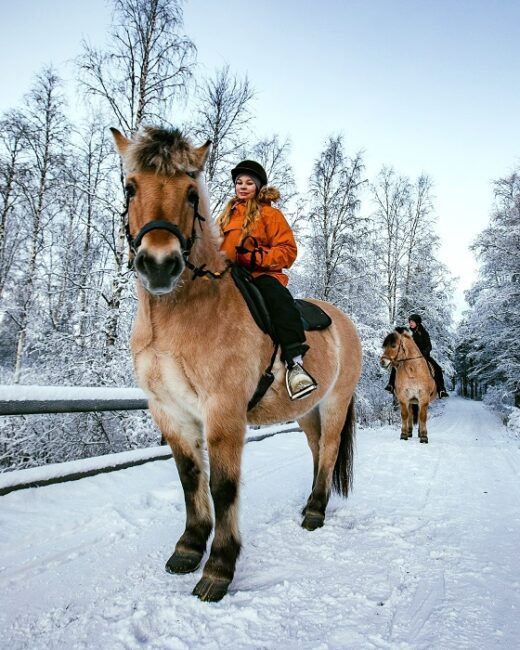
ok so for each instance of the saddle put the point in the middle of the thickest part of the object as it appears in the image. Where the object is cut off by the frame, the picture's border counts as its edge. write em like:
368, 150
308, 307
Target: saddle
313, 317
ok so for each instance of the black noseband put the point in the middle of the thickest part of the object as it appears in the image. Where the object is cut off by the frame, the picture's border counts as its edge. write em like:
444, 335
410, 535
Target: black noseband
159, 225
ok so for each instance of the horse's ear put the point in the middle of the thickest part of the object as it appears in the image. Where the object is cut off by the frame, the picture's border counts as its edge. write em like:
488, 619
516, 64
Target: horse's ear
201, 154
121, 141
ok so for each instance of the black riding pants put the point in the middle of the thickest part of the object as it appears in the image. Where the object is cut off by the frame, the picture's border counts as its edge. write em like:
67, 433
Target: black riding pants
285, 317
439, 377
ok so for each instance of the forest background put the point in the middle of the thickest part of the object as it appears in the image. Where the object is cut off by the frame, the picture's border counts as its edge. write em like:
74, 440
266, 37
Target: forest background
367, 243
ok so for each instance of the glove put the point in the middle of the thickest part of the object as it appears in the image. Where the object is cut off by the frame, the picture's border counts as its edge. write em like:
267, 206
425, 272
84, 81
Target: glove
246, 260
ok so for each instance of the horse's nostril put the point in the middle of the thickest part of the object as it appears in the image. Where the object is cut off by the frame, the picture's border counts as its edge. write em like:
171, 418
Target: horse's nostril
142, 263
173, 265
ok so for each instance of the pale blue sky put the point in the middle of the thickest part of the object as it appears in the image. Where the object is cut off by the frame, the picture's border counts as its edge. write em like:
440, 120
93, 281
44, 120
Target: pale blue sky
423, 86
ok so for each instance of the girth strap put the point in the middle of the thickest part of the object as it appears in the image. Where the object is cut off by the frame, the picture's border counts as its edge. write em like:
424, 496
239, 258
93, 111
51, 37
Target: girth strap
265, 381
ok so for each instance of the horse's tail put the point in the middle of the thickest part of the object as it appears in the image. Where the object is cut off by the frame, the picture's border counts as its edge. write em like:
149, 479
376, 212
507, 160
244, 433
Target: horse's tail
415, 412
342, 474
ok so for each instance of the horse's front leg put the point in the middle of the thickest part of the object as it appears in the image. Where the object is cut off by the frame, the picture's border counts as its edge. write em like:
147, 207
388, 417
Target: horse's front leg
423, 415
411, 416
225, 436
187, 452
405, 415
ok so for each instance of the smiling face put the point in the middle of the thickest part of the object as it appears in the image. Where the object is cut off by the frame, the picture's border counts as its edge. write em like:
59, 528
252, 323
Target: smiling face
245, 188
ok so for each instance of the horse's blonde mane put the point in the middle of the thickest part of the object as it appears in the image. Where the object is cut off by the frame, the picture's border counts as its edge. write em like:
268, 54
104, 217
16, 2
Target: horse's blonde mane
164, 151
204, 202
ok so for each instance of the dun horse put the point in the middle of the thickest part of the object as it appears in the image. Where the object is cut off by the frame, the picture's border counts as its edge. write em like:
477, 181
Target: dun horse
198, 354
414, 384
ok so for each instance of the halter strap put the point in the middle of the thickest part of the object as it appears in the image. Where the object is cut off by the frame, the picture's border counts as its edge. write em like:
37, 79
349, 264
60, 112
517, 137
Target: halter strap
186, 244
398, 361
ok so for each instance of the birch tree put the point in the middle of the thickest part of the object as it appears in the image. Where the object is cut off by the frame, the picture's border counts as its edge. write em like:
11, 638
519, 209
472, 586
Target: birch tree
136, 81
391, 195
334, 199
11, 169
148, 66
44, 127
222, 115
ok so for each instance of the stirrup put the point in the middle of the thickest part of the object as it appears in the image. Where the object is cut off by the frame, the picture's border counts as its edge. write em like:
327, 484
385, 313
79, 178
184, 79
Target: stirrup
307, 382
389, 388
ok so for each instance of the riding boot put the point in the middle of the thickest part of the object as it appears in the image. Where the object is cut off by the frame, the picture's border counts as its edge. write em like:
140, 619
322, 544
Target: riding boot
299, 382
391, 382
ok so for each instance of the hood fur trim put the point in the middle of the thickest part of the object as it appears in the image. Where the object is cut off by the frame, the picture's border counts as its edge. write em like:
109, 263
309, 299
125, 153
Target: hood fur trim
268, 194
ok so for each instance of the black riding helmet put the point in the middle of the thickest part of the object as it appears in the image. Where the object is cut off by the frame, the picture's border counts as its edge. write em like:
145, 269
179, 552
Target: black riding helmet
250, 168
416, 318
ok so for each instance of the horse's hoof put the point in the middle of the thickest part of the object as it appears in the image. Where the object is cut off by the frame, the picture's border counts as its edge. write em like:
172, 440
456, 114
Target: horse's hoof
312, 521
404, 436
423, 440
183, 562
211, 590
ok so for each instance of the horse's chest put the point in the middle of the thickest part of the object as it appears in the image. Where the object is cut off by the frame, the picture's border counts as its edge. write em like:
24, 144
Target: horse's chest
163, 378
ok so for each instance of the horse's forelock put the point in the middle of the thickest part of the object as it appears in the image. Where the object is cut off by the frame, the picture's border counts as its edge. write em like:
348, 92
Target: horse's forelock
391, 339
164, 151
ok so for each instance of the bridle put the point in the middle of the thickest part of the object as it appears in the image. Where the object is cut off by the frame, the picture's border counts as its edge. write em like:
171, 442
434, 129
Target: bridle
186, 243
395, 362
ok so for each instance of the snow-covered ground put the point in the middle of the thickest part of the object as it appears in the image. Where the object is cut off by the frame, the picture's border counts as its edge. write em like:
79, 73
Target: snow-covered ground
424, 554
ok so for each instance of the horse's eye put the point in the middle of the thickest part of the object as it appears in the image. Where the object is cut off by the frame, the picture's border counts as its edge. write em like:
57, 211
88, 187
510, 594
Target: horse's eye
193, 197
129, 191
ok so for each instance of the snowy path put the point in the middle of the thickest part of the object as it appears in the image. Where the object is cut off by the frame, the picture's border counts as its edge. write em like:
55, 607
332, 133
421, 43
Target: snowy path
424, 554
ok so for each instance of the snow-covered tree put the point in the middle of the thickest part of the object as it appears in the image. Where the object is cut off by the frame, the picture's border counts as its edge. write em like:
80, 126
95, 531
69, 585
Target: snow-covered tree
492, 328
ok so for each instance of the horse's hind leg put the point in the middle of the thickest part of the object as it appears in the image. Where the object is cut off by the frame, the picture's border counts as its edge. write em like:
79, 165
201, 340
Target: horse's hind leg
225, 437
310, 423
336, 421
187, 452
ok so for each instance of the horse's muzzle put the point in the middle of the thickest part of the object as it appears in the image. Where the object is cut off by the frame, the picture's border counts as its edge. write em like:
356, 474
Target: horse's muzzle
159, 276
385, 362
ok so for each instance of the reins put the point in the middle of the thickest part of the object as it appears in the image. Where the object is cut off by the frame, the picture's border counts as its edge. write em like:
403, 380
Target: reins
186, 244
396, 361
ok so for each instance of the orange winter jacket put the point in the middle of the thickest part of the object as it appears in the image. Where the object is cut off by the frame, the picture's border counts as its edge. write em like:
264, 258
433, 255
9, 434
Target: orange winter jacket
274, 236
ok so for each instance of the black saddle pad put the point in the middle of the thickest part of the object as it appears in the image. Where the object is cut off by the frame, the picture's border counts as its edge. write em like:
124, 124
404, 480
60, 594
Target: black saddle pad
313, 317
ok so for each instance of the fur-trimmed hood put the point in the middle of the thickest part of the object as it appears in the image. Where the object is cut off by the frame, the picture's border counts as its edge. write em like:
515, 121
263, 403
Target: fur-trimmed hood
268, 194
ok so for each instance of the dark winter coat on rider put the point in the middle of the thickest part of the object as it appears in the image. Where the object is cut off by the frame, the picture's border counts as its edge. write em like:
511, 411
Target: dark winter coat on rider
422, 340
